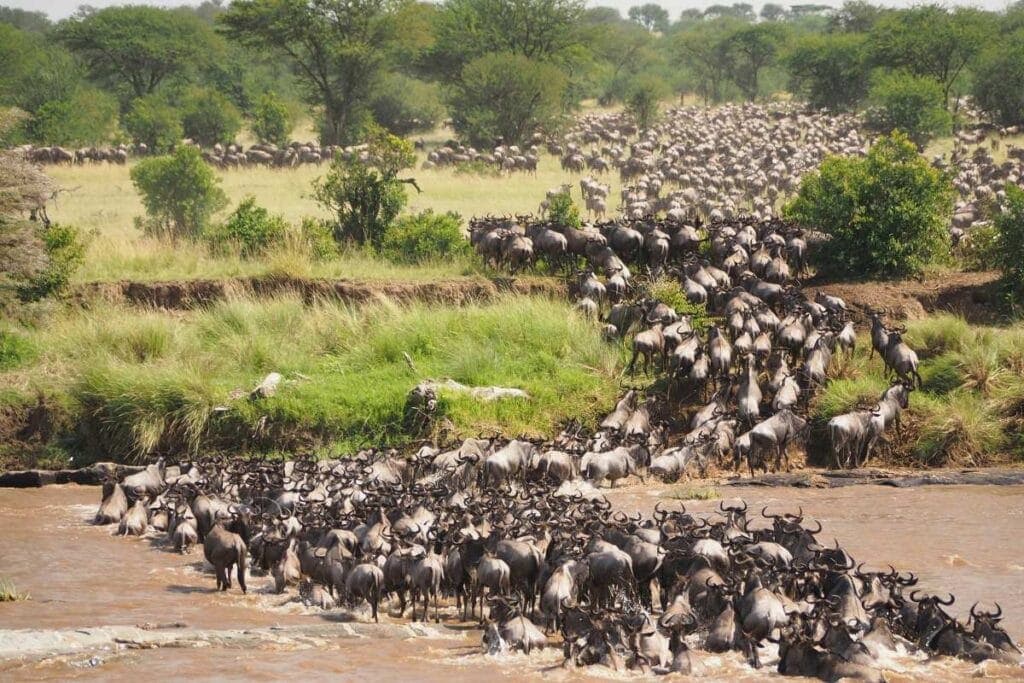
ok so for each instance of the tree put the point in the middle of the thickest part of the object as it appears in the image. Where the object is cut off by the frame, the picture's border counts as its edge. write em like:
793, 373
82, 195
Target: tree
406, 105
643, 100
624, 49
651, 16
998, 80
34, 72
931, 41
912, 104
773, 12
23, 188
830, 70
87, 117
367, 196
540, 30
155, 124
34, 22
271, 120
136, 47
755, 48
338, 49
855, 16
208, 117
885, 214
180, 192
705, 50
1009, 226
505, 96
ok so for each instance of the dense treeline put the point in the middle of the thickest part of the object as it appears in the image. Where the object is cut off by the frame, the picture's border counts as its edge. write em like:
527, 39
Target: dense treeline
496, 68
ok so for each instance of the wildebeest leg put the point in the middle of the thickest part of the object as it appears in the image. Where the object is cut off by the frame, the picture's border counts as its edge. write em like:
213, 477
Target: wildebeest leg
632, 362
241, 575
227, 575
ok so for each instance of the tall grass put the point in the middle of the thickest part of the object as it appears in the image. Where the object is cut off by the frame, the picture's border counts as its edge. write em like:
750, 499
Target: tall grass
142, 382
970, 409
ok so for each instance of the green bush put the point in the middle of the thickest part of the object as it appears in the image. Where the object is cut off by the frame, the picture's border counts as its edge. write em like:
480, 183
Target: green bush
367, 197
250, 229
885, 214
87, 117
912, 104
65, 252
209, 117
506, 96
318, 237
426, 236
642, 101
154, 123
670, 293
563, 212
978, 248
405, 105
180, 192
271, 120
1010, 245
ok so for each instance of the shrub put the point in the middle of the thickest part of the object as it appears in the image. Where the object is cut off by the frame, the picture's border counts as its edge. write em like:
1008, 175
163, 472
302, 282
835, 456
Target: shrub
209, 117
642, 101
405, 105
978, 249
1010, 244
65, 252
426, 236
87, 117
669, 292
250, 228
154, 123
506, 96
180, 192
912, 104
886, 214
563, 212
318, 237
271, 120
366, 197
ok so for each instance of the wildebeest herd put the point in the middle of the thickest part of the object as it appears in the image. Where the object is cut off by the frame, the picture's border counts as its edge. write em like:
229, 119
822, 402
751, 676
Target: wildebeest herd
501, 529
759, 346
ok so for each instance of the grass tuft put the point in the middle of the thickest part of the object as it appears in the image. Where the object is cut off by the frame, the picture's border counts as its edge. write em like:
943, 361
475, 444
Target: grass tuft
8, 592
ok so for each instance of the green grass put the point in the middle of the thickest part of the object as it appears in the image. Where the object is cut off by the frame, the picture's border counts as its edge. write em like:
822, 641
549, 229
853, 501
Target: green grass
695, 493
970, 410
143, 382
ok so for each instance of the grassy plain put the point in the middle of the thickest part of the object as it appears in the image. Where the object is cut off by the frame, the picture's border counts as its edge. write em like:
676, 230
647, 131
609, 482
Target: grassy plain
101, 200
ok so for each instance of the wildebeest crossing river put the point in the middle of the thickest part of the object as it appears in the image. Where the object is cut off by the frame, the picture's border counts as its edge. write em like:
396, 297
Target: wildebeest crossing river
963, 539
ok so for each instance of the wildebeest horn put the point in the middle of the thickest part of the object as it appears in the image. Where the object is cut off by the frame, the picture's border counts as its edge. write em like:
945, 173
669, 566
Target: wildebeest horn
946, 603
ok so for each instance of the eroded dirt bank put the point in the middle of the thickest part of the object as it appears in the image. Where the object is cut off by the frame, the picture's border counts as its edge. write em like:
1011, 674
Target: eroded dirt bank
104, 607
186, 294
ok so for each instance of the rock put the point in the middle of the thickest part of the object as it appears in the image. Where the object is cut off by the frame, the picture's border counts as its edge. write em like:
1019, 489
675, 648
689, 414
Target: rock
268, 387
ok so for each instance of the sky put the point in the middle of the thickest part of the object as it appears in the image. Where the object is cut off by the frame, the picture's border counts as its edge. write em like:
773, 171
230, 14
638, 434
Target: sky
59, 9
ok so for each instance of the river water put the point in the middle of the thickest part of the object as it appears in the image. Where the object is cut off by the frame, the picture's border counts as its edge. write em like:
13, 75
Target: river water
963, 539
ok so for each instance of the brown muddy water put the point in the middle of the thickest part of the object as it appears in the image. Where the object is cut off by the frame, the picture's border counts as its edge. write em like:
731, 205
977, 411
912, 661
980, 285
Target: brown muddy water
964, 539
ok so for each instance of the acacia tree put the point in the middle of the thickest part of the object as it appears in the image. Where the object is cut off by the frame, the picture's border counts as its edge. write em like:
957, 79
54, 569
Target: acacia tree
829, 70
134, 46
651, 16
706, 52
540, 30
337, 48
755, 47
931, 41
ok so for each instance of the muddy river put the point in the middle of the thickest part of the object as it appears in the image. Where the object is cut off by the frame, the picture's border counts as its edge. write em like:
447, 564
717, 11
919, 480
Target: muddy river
90, 592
